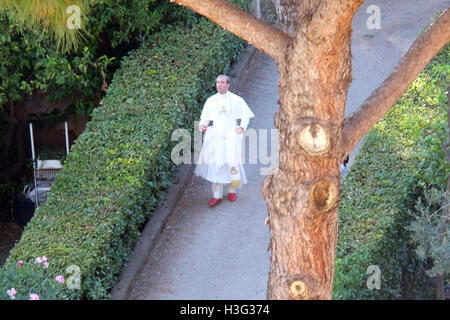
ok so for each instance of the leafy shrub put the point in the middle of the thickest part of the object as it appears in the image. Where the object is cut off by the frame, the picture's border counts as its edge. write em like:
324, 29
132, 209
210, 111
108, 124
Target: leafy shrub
119, 168
431, 232
395, 166
30, 65
21, 280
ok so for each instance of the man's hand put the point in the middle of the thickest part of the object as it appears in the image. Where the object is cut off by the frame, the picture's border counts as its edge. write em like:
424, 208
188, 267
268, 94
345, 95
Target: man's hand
239, 130
203, 128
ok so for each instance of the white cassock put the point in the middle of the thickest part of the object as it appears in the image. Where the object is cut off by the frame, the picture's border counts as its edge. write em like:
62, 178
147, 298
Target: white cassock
219, 160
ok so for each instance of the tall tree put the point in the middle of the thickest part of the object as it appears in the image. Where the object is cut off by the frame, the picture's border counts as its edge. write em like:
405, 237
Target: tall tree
312, 52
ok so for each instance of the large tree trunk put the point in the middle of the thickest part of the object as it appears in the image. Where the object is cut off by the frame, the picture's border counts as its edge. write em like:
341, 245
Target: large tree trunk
291, 14
303, 195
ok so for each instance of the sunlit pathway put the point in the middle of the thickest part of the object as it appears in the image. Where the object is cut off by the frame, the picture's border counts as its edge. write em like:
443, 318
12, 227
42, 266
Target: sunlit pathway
220, 252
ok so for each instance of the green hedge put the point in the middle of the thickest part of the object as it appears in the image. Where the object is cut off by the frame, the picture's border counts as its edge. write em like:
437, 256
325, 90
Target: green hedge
118, 169
397, 162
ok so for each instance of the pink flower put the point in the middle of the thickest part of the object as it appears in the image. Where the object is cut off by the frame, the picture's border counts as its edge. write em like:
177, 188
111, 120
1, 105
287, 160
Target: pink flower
45, 264
34, 296
44, 258
38, 260
19, 263
60, 279
12, 293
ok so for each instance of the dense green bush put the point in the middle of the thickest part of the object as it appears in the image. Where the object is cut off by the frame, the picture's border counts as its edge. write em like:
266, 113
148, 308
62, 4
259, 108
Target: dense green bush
430, 231
397, 164
118, 169
18, 281
30, 64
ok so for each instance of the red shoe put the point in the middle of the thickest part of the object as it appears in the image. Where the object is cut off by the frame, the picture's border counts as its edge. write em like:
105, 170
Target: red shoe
214, 201
232, 196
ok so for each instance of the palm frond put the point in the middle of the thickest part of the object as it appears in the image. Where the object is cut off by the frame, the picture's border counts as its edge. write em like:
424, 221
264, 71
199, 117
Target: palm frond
63, 20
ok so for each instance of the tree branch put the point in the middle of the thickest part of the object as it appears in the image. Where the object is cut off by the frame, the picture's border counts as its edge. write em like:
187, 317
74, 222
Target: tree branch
384, 97
259, 33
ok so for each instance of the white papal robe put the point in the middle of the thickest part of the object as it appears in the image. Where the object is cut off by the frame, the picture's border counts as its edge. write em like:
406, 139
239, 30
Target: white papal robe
220, 160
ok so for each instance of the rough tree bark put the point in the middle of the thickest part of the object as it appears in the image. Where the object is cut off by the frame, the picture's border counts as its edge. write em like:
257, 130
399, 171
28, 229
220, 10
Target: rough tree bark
256, 32
314, 61
290, 14
302, 196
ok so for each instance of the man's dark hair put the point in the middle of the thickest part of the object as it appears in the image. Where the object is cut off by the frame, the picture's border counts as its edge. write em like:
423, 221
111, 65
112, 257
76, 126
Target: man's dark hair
226, 78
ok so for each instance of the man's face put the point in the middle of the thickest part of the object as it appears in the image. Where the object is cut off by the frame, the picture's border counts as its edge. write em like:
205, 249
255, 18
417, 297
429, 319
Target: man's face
222, 85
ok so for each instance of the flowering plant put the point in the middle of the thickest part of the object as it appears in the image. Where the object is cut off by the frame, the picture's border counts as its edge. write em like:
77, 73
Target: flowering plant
31, 281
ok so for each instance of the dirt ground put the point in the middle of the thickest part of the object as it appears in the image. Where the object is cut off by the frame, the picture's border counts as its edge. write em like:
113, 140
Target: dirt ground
10, 234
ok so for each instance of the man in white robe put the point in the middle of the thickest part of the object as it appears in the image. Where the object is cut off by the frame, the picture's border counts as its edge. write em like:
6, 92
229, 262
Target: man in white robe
220, 158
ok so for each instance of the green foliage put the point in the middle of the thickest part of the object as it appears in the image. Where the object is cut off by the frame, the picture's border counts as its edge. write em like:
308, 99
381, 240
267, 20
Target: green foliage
396, 164
30, 60
431, 232
119, 168
31, 14
32, 278
30, 64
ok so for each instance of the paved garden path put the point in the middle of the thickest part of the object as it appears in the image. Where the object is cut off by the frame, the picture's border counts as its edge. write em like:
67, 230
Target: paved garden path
221, 252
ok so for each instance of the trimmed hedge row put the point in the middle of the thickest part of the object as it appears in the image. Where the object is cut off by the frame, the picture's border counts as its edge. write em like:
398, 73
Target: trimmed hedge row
118, 169
396, 164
